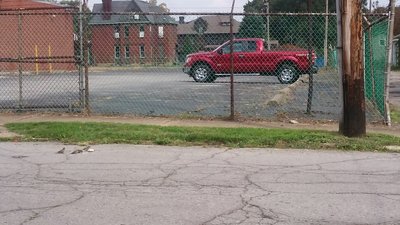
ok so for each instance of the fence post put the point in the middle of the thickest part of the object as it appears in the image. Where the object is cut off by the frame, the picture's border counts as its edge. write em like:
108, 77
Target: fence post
326, 34
371, 62
389, 62
20, 105
310, 73
352, 122
86, 57
232, 116
266, 10
81, 88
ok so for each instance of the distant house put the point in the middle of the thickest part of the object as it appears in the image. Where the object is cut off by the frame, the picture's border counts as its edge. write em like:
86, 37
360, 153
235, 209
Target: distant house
204, 33
45, 33
134, 38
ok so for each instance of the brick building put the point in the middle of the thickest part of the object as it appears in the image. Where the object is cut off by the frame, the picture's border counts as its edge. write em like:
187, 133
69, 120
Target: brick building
36, 31
133, 38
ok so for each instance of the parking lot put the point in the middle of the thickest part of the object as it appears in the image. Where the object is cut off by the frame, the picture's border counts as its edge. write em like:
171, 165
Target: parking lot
167, 91
143, 92
172, 92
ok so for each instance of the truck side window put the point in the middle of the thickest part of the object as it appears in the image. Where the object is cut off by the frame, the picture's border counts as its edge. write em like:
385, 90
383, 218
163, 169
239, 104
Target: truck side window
226, 49
252, 46
237, 47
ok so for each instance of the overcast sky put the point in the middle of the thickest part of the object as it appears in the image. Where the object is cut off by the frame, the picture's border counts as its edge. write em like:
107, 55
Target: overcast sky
207, 5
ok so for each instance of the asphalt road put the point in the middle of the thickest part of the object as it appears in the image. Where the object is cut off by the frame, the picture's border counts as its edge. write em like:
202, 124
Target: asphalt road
124, 184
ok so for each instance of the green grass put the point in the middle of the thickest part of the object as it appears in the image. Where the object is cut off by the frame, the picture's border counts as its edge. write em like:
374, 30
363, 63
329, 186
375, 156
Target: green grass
108, 133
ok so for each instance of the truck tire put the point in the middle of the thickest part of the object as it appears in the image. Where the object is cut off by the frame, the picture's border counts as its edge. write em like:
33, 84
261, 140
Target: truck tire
203, 73
287, 73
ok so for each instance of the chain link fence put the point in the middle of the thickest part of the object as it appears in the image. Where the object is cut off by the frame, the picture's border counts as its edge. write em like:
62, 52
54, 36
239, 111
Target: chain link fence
38, 65
257, 66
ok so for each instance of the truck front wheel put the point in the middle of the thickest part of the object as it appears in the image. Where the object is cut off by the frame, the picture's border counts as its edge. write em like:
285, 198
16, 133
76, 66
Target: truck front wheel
287, 74
203, 73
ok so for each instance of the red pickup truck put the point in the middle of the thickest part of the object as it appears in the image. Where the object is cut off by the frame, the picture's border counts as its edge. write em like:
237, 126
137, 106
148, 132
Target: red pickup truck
249, 57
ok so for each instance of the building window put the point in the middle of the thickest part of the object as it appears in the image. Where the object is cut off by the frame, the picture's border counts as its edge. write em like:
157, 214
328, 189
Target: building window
141, 31
116, 29
161, 51
127, 52
117, 52
126, 31
141, 52
160, 31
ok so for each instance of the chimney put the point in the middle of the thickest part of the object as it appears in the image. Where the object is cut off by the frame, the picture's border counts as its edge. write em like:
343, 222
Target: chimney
107, 8
181, 20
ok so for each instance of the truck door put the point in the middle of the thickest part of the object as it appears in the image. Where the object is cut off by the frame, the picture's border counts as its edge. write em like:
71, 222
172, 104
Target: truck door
223, 58
267, 59
250, 57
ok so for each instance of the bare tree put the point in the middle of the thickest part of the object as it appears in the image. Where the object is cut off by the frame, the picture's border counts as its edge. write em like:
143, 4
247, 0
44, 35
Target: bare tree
153, 2
164, 7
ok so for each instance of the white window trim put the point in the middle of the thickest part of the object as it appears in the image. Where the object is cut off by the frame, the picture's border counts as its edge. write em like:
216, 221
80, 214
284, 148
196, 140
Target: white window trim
141, 33
160, 31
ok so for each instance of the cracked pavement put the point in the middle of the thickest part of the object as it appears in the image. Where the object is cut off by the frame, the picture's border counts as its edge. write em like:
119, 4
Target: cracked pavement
127, 184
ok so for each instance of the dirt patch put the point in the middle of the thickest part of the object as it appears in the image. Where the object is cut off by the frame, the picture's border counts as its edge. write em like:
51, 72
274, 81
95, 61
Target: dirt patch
4, 133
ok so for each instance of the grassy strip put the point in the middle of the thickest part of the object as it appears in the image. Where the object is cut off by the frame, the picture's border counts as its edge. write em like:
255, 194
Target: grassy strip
108, 133
395, 114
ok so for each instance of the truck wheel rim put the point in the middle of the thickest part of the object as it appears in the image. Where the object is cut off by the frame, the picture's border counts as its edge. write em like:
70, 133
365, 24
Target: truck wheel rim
287, 75
201, 73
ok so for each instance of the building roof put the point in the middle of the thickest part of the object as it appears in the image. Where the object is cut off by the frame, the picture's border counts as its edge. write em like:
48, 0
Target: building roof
131, 6
215, 25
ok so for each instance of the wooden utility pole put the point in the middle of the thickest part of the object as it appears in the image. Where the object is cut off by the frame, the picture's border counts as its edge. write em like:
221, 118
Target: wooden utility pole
352, 121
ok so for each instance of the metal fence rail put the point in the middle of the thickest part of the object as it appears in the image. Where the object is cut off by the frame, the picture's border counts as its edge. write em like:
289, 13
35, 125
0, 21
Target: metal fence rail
179, 64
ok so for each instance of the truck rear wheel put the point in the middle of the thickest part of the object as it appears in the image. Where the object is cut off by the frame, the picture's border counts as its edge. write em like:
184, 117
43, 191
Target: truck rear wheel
287, 74
203, 73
